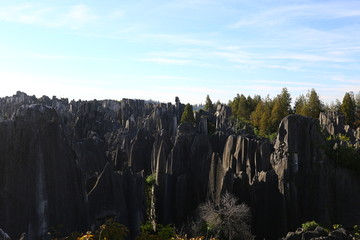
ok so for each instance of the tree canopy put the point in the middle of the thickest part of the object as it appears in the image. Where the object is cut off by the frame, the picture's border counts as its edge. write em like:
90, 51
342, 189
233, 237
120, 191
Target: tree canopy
188, 115
348, 107
209, 106
309, 106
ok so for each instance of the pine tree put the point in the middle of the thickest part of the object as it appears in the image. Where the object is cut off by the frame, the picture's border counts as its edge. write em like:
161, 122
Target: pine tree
209, 106
300, 104
285, 102
277, 114
257, 114
243, 111
265, 124
188, 115
348, 108
357, 113
315, 106
281, 108
309, 106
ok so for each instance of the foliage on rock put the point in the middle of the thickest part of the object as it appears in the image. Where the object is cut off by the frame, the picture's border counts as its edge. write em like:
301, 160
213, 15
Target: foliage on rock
188, 115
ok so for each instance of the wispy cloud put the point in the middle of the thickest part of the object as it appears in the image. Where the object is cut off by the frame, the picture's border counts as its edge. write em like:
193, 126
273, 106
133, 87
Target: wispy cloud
345, 79
67, 58
74, 16
285, 14
166, 61
178, 39
164, 77
287, 83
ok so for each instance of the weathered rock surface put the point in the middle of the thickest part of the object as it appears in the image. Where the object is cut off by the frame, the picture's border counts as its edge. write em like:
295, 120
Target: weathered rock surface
40, 182
76, 163
4, 235
320, 234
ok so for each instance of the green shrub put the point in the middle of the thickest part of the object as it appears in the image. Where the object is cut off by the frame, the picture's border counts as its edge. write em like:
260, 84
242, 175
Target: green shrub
336, 226
309, 225
343, 155
151, 179
162, 232
357, 231
111, 230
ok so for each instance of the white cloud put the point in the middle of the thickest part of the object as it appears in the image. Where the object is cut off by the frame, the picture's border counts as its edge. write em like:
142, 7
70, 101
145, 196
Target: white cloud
166, 61
74, 16
66, 58
178, 39
164, 77
290, 13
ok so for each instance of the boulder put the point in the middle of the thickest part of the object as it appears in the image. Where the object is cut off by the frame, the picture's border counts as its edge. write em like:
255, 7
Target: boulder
4, 235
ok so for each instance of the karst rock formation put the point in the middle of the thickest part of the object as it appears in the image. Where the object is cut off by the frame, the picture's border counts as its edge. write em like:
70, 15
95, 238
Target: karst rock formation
75, 163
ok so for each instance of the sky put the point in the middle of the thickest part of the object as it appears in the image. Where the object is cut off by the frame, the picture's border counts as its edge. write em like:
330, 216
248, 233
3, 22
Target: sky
149, 49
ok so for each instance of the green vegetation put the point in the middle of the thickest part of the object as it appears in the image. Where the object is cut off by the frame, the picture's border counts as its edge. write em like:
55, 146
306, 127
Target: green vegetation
188, 115
151, 179
150, 182
309, 106
308, 226
343, 153
228, 220
209, 106
347, 108
162, 232
263, 115
110, 230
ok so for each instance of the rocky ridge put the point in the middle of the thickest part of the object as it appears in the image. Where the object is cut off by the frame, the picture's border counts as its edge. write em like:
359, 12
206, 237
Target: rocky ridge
76, 163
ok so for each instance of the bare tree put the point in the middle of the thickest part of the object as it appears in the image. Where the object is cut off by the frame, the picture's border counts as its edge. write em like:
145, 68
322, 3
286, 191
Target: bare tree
229, 220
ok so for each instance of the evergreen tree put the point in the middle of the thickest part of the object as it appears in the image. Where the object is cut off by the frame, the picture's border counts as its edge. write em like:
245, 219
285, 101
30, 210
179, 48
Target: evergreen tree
357, 112
348, 108
235, 106
257, 114
315, 106
300, 104
242, 107
265, 124
277, 114
243, 111
188, 115
310, 105
209, 106
282, 108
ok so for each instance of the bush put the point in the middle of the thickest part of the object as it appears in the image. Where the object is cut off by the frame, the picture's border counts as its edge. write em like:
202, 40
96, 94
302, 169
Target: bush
162, 233
112, 230
309, 225
229, 220
188, 115
343, 153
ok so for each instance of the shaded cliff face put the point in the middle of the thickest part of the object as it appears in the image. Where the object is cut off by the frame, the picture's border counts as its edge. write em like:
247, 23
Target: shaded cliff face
77, 163
40, 184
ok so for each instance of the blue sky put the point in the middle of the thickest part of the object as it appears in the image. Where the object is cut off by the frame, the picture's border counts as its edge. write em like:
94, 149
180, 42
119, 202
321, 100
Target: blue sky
187, 48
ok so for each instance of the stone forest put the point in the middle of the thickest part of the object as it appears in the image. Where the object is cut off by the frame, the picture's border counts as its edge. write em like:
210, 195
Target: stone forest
145, 168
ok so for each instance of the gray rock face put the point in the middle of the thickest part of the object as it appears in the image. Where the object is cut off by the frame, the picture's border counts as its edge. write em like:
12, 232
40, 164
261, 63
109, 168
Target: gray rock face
320, 233
76, 163
332, 124
40, 181
308, 179
4, 235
